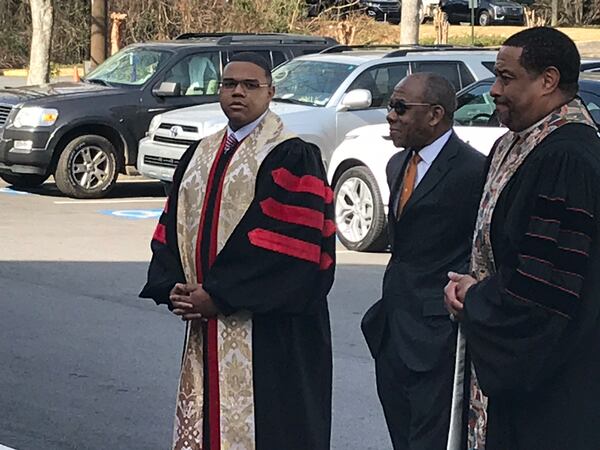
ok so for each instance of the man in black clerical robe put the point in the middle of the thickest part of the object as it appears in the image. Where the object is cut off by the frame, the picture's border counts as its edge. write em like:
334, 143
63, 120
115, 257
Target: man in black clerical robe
530, 310
244, 253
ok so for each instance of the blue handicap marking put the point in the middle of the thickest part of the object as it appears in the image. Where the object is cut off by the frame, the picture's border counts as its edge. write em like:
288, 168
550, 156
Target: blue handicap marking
134, 214
13, 192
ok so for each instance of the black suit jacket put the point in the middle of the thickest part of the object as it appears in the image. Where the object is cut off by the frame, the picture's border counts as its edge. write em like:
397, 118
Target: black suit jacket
432, 236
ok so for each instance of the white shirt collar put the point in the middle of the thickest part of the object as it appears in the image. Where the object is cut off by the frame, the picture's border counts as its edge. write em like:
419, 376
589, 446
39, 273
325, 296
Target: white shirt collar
241, 133
431, 151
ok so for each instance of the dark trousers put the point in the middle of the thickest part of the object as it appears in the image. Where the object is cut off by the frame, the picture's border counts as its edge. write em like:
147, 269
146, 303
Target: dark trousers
416, 405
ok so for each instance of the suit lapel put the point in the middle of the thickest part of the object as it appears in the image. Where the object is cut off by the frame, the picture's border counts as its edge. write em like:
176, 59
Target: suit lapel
396, 178
438, 170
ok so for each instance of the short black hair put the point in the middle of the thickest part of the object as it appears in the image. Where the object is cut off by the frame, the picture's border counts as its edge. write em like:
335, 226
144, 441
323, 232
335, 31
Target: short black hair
437, 90
256, 59
544, 47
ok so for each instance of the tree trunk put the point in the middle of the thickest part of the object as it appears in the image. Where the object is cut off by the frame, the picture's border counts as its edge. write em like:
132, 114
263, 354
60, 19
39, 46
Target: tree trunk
409, 22
99, 32
42, 19
554, 19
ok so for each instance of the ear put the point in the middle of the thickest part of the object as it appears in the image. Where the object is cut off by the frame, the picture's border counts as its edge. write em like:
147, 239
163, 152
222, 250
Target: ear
271, 92
436, 114
550, 79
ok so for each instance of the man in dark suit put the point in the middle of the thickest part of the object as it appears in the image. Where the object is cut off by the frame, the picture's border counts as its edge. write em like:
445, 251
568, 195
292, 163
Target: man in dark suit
435, 185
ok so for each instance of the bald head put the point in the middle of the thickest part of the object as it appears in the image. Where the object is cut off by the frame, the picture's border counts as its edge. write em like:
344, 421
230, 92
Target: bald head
432, 88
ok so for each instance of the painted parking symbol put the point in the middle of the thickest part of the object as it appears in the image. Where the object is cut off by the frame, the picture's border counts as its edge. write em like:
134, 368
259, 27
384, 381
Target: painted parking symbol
134, 214
10, 191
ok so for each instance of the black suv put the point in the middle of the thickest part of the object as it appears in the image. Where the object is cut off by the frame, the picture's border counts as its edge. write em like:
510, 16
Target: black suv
487, 12
86, 133
382, 10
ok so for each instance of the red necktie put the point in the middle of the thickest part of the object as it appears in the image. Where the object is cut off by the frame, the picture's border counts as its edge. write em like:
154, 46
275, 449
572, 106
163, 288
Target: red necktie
231, 142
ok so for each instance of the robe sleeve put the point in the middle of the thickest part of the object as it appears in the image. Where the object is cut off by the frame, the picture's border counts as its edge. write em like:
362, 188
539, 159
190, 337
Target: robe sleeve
517, 321
165, 268
281, 256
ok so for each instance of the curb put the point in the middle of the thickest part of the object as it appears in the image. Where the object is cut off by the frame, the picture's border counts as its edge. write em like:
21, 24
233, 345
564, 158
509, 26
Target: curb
63, 72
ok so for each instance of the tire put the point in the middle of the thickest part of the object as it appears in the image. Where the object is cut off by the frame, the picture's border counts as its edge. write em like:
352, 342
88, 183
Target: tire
359, 214
87, 167
485, 19
24, 180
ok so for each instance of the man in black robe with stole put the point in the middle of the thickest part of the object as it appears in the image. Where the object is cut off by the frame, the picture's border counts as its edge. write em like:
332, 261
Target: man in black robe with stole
245, 253
530, 309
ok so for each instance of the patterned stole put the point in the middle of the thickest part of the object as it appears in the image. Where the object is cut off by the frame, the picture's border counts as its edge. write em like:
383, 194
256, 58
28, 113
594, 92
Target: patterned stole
231, 394
511, 151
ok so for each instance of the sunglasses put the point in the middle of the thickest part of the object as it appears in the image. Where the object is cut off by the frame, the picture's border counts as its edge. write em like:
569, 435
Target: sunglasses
400, 107
230, 84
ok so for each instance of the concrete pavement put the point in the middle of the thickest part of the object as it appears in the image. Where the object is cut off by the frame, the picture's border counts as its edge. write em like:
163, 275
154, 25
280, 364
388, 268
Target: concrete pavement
88, 365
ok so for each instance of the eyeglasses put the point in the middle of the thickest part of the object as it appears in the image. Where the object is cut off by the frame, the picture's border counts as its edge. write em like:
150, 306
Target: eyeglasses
401, 107
230, 84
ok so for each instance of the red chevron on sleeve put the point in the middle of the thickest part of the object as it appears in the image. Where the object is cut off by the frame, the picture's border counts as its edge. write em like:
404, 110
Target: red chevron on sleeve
297, 215
286, 245
308, 184
160, 234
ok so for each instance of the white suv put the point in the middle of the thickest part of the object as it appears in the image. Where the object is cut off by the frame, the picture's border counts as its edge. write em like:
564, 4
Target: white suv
320, 97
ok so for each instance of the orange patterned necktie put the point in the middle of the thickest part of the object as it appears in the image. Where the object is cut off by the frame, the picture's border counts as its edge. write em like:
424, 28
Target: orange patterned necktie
408, 184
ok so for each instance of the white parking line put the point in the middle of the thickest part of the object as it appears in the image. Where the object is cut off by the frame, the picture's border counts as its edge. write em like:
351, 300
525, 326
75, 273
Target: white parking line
107, 202
3, 447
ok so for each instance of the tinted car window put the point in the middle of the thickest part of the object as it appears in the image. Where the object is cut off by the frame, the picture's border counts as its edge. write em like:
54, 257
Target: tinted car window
278, 58
449, 70
592, 101
380, 81
197, 74
466, 77
476, 107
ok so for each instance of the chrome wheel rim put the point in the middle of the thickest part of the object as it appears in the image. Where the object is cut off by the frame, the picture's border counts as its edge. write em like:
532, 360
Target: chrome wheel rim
91, 167
354, 209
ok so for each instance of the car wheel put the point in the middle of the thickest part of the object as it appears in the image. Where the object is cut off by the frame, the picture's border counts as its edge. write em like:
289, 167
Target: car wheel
87, 167
485, 18
23, 180
359, 214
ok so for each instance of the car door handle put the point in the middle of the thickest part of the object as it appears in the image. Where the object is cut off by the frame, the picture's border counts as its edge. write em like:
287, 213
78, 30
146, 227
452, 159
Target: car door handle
156, 109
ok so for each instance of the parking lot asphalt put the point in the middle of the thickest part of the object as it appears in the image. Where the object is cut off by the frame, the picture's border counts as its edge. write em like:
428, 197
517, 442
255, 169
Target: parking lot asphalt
88, 365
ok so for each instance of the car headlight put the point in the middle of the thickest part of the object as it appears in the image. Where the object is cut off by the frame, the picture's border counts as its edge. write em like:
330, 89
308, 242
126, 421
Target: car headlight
34, 116
498, 9
154, 124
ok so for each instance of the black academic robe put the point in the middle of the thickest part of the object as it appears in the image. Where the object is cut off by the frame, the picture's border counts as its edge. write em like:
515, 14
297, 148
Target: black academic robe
533, 328
283, 284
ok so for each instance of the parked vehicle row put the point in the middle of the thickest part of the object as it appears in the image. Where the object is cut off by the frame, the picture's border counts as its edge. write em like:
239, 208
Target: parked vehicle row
86, 133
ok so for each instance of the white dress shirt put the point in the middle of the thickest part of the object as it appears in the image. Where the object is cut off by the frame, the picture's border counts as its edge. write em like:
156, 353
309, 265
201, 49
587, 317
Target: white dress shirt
243, 132
428, 155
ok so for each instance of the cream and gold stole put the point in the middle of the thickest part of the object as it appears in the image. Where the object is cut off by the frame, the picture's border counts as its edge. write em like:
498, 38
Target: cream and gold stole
234, 342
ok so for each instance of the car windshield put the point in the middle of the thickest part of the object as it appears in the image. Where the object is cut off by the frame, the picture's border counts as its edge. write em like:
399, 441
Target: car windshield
132, 67
309, 82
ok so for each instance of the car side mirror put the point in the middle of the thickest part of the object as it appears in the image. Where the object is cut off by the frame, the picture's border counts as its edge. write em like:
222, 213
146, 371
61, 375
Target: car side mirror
167, 89
355, 99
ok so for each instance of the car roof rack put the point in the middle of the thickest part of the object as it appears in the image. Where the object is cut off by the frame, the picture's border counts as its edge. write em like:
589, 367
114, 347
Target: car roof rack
242, 38
403, 50
348, 48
